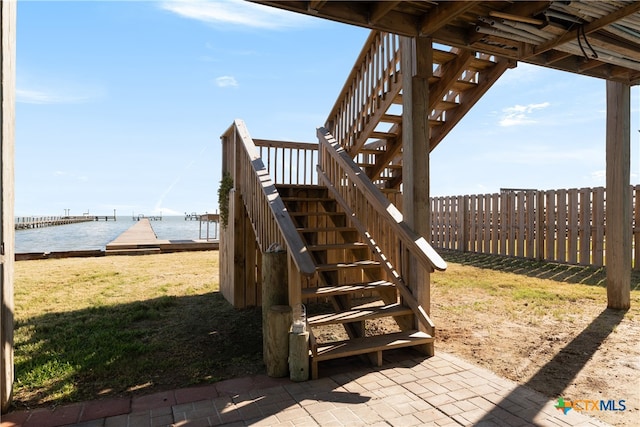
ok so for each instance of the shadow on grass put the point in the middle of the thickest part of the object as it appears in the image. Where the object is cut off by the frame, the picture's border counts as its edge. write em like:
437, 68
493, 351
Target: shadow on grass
134, 348
562, 369
586, 275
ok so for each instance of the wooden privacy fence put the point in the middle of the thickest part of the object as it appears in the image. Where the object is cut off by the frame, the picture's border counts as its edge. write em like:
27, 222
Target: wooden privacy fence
567, 226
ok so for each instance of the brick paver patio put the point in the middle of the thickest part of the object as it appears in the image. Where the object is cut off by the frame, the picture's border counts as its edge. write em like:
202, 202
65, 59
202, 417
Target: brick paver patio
443, 390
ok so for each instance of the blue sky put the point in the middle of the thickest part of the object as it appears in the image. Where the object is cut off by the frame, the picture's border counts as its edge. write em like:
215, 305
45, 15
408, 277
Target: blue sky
120, 105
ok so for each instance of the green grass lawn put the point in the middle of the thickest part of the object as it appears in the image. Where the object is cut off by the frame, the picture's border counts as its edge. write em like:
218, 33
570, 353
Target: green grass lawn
117, 325
91, 327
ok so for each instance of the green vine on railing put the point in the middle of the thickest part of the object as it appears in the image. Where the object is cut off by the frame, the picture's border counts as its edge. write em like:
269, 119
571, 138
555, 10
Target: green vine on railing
226, 184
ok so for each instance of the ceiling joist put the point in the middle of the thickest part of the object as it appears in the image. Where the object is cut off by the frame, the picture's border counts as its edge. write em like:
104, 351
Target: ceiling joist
611, 28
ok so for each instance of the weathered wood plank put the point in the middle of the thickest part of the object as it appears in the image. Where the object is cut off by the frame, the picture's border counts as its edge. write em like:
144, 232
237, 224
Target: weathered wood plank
7, 149
618, 142
561, 225
584, 232
636, 228
598, 227
550, 232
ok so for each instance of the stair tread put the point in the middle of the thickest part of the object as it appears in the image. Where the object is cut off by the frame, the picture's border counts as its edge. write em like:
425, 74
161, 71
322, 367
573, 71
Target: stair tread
391, 118
306, 199
355, 264
463, 85
343, 289
336, 349
358, 314
368, 165
314, 213
383, 135
330, 246
479, 64
324, 229
446, 105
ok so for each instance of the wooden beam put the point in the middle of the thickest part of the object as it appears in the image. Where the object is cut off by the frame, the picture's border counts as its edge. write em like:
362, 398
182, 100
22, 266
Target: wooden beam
589, 28
618, 210
380, 9
7, 148
415, 163
616, 45
517, 18
316, 5
554, 56
590, 64
443, 14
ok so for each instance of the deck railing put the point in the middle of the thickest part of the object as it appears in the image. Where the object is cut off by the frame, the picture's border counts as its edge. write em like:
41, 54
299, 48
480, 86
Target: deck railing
368, 92
375, 217
263, 204
291, 163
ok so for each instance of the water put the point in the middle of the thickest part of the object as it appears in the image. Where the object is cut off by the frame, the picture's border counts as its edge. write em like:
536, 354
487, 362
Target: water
96, 234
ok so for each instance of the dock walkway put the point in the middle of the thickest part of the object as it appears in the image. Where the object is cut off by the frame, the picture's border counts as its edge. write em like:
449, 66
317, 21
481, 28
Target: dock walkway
27, 222
140, 239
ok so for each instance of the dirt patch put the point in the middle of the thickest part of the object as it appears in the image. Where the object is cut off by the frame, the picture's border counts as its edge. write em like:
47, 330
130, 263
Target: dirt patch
542, 325
574, 348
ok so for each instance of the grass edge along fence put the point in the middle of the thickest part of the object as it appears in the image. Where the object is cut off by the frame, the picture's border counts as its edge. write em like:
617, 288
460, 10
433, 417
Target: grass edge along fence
566, 226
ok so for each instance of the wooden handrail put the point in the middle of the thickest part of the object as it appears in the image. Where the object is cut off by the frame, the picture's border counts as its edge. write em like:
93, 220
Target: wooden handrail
267, 213
382, 220
368, 92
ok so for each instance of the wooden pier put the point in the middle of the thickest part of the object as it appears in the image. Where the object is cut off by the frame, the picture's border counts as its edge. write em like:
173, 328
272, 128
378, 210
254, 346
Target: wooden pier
150, 218
26, 222
140, 239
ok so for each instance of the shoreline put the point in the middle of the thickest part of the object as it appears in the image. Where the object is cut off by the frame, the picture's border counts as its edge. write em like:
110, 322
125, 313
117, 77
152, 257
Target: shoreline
178, 246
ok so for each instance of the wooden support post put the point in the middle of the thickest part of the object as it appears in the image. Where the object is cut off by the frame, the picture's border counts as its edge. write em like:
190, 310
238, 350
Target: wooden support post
278, 324
236, 258
618, 210
274, 287
7, 135
417, 67
299, 356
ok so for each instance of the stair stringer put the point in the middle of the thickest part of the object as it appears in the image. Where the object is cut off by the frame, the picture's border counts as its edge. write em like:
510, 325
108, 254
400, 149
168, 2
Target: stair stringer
420, 313
390, 295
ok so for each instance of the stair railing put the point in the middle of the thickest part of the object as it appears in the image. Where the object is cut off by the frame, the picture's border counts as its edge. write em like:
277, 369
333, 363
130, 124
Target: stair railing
368, 92
265, 209
375, 217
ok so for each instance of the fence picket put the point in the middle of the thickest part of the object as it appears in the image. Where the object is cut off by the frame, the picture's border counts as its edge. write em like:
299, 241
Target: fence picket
550, 232
566, 225
598, 227
636, 228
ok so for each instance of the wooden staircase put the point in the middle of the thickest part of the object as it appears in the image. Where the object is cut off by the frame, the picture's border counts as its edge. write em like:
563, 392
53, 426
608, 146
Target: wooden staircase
362, 270
373, 135
354, 295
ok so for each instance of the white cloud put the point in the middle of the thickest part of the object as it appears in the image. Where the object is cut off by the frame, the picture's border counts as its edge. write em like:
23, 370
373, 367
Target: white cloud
33, 96
520, 114
71, 175
236, 12
599, 176
226, 81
